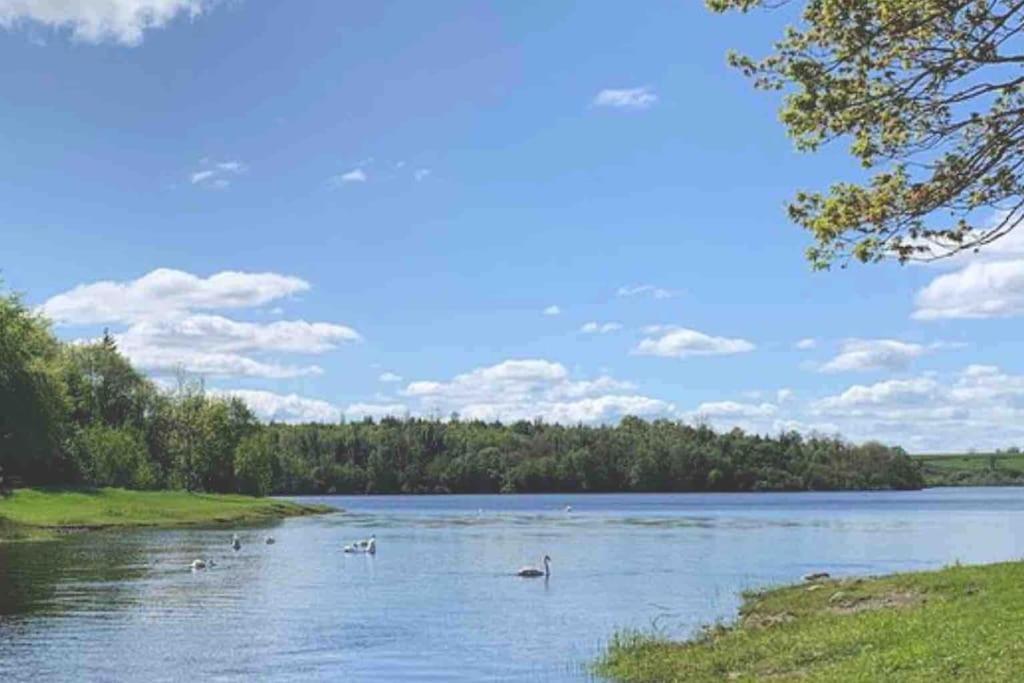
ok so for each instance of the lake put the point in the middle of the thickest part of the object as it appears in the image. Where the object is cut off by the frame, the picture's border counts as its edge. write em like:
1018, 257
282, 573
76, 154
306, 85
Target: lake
438, 602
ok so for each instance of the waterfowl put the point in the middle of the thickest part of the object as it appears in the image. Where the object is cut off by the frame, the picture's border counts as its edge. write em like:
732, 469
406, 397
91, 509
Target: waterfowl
568, 508
198, 564
530, 572
365, 546
269, 540
235, 543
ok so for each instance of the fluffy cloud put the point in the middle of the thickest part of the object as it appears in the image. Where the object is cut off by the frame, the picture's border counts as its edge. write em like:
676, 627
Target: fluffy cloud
552, 310
164, 291
213, 345
858, 355
421, 174
215, 333
389, 377
989, 282
806, 344
983, 289
293, 408
525, 389
1009, 246
626, 98
600, 328
96, 21
679, 342
169, 327
736, 409
166, 361
979, 407
902, 392
645, 290
269, 406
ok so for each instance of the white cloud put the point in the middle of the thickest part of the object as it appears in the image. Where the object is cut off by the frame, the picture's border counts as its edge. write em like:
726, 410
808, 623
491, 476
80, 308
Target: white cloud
215, 333
806, 344
164, 291
980, 406
293, 408
858, 355
421, 174
648, 290
269, 406
525, 389
359, 411
1009, 246
97, 21
389, 377
356, 175
169, 326
215, 174
904, 392
169, 361
679, 342
736, 409
626, 98
600, 328
983, 289
552, 310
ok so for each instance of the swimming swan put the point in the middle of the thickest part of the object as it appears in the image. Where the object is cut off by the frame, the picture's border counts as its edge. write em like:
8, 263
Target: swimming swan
368, 546
530, 572
235, 543
269, 540
198, 564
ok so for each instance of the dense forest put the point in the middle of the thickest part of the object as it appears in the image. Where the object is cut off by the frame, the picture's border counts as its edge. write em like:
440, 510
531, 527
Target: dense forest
80, 414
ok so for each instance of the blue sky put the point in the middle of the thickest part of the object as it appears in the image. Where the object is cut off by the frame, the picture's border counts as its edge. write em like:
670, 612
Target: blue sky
296, 201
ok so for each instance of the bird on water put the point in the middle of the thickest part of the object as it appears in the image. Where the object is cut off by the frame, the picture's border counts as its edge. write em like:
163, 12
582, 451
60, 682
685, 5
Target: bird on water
530, 572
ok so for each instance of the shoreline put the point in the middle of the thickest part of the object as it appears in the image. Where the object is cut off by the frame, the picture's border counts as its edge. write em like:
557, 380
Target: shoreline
35, 514
948, 624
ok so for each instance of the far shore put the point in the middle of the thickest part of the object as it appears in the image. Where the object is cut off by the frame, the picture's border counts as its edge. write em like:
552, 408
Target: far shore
46, 513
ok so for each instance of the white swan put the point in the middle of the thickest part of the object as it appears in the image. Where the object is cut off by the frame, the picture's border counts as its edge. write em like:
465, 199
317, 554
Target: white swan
568, 508
530, 572
367, 546
235, 543
198, 564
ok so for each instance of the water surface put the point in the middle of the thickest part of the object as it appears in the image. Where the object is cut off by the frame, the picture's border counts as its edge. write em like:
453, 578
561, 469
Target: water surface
438, 601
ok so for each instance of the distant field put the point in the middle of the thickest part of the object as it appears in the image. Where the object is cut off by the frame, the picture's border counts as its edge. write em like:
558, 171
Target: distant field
973, 469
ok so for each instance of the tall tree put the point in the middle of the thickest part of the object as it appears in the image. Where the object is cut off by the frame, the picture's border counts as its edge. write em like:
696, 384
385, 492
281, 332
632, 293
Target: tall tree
33, 404
929, 93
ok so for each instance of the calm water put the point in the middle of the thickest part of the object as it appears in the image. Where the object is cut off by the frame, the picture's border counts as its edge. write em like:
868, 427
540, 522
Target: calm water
438, 601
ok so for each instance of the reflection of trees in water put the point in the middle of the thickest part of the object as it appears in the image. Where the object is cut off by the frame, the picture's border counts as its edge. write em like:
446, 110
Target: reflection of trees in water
52, 576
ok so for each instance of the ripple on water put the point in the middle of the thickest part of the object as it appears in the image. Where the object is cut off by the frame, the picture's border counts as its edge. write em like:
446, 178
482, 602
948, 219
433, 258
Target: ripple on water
439, 601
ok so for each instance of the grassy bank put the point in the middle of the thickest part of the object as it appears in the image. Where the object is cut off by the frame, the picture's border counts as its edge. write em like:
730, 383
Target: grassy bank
957, 624
41, 513
973, 469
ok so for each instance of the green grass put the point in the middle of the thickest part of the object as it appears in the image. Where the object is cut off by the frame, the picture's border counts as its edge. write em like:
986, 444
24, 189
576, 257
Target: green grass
973, 469
29, 514
957, 624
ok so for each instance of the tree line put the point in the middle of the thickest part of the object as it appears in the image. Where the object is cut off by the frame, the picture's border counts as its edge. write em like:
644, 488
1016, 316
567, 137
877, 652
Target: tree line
74, 413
